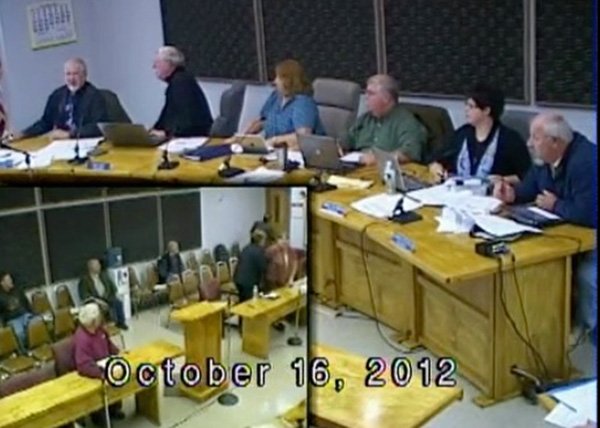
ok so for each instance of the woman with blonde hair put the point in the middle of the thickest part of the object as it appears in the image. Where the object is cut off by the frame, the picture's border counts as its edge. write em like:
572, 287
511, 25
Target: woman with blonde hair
290, 109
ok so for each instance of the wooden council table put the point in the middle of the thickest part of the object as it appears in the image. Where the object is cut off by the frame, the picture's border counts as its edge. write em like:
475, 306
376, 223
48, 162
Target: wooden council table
357, 406
445, 296
65, 399
137, 165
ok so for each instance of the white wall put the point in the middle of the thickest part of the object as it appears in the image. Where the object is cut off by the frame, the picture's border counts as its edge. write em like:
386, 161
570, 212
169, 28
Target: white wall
126, 35
228, 214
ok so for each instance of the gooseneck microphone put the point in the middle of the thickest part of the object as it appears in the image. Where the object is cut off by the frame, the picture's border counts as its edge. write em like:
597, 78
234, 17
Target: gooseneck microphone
4, 145
78, 160
167, 163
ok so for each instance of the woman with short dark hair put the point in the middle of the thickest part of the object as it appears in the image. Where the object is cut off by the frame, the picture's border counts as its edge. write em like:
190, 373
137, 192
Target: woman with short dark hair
483, 147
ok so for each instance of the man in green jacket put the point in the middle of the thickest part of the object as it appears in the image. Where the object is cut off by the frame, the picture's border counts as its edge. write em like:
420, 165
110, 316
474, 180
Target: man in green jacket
96, 284
386, 125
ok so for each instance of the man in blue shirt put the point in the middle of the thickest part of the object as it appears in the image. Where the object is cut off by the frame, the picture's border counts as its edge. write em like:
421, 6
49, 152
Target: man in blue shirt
565, 185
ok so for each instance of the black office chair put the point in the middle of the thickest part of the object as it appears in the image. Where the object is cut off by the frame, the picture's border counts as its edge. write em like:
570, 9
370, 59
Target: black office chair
114, 108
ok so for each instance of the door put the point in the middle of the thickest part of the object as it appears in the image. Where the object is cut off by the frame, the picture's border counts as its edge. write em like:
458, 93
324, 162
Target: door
278, 208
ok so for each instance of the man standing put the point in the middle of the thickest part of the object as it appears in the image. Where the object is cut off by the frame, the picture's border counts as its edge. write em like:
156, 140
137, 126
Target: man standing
186, 112
73, 110
170, 264
96, 284
14, 308
565, 185
386, 125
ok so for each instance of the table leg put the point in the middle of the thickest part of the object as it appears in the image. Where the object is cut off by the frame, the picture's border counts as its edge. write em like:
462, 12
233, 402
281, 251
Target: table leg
147, 403
256, 335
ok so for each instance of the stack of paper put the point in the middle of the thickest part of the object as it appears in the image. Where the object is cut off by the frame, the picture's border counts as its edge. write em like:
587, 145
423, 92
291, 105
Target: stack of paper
454, 220
259, 175
353, 157
443, 195
501, 227
382, 205
179, 145
349, 183
576, 406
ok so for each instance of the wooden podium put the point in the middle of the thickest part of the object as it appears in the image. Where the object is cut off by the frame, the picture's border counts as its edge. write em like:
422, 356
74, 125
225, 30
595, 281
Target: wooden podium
203, 325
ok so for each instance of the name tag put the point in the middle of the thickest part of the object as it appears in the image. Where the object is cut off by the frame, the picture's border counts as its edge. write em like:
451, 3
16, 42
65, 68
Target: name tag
403, 242
99, 166
333, 209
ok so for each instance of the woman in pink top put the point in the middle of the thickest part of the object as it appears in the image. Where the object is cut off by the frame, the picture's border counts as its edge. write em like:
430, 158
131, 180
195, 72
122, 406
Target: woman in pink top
92, 344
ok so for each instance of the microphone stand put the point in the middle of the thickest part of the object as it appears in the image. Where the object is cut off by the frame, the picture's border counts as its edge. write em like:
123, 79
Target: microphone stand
4, 145
78, 160
166, 163
295, 340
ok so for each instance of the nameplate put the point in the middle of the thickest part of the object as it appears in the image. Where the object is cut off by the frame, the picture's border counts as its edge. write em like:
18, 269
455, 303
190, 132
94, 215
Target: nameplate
333, 209
98, 166
7, 164
403, 242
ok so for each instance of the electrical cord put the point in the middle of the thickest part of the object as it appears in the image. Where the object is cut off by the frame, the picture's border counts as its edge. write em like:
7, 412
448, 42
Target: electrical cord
371, 295
539, 362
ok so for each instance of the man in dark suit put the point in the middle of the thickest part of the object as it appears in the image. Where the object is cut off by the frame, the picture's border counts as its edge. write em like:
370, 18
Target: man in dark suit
96, 285
170, 264
74, 109
186, 112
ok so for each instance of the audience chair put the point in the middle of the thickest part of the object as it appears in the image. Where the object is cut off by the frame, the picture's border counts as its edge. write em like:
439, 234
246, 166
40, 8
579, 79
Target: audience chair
177, 298
190, 286
11, 362
63, 353
337, 101
161, 295
39, 341
141, 296
519, 120
235, 250
64, 325
63, 297
206, 259
225, 279
192, 262
209, 285
436, 121
22, 381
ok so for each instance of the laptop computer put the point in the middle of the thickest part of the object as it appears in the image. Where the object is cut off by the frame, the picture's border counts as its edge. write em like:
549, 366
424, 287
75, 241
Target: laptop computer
404, 183
129, 134
322, 152
252, 144
532, 216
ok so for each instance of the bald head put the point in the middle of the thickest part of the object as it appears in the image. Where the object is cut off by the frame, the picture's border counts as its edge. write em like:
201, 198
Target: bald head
173, 247
382, 94
550, 134
168, 58
75, 71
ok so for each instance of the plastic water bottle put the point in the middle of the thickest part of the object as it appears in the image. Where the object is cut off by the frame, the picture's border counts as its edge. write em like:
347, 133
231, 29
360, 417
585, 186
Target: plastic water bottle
255, 292
389, 175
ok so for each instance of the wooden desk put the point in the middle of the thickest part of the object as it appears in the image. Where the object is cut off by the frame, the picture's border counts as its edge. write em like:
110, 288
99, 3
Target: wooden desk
70, 397
357, 406
259, 314
446, 297
203, 323
137, 165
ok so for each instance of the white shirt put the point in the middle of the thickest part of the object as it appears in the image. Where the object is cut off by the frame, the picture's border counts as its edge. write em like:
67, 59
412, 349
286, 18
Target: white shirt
99, 286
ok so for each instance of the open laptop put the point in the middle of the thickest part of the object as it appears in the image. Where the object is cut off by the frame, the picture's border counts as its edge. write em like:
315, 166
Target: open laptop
322, 153
252, 144
529, 215
129, 134
404, 183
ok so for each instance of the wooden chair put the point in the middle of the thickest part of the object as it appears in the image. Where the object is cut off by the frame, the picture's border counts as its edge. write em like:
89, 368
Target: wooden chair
64, 325
40, 305
192, 263
206, 259
190, 287
141, 296
63, 297
39, 341
161, 296
10, 360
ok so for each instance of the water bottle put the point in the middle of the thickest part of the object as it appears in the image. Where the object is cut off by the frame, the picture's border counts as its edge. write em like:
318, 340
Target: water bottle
389, 174
255, 292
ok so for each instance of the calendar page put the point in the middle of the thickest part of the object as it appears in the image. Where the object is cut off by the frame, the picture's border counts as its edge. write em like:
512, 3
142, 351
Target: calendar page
51, 23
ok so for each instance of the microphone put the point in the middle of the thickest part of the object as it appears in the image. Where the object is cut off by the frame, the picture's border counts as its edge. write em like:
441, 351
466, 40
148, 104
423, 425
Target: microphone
4, 145
166, 163
78, 160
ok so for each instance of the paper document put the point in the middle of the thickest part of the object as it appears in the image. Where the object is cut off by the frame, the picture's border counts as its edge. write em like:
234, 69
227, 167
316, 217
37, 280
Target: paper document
544, 213
581, 398
562, 416
439, 195
382, 205
65, 149
354, 157
454, 220
259, 175
500, 227
348, 183
179, 145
